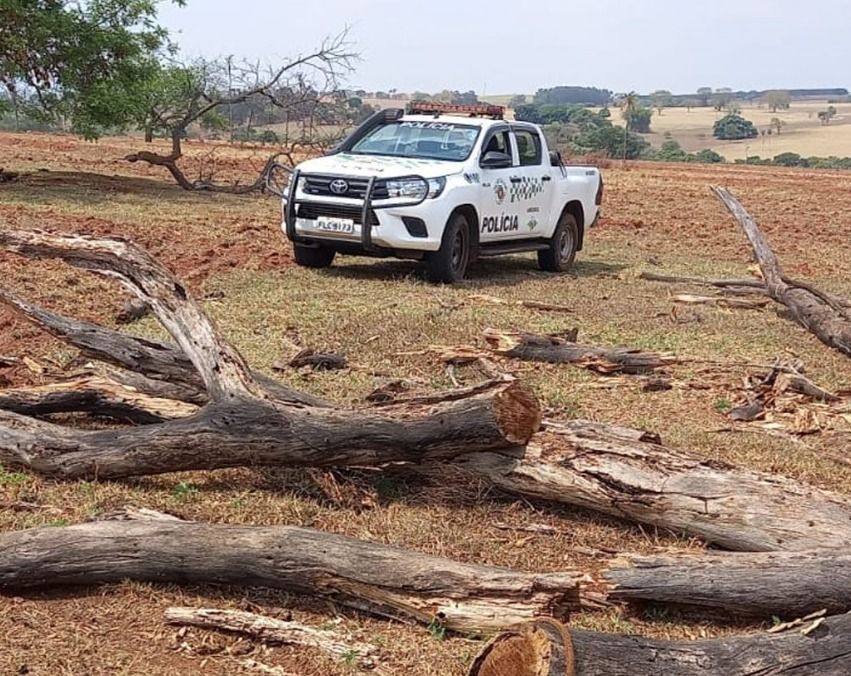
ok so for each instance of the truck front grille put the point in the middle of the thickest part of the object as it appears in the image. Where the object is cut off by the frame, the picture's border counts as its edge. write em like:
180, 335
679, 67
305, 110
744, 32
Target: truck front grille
321, 185
313, 210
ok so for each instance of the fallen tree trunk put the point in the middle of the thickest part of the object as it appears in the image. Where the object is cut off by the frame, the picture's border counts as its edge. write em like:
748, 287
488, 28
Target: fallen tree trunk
811, 308
376, 578
825, 650
782, 584
244, 423
630, 475
557, 350
272, 630
248, 432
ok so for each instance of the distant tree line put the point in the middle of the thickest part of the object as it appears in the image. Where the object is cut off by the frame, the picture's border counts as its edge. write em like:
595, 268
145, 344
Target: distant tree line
796, 160
587, 96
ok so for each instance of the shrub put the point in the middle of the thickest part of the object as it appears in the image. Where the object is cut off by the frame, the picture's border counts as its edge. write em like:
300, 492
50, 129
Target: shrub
707, 156
789, 160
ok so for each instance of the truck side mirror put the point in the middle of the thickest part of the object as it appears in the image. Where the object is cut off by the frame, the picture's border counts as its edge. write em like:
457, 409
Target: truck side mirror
494, 159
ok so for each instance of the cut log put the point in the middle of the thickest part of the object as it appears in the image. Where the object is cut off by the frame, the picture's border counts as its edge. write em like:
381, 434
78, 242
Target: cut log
539, 648
95, 395
377, 578
153, 359
272, 630
811, 308
254, 432
825, 650
557, 350
782, 584
619, 472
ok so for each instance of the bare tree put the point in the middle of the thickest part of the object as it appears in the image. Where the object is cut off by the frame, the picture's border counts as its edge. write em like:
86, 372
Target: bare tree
305, 89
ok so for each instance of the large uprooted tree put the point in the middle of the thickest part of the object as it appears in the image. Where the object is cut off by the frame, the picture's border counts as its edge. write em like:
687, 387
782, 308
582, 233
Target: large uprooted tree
303, 91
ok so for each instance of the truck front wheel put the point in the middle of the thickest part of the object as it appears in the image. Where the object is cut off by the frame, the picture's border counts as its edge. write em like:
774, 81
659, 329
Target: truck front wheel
449, 263
313, 256
561, 250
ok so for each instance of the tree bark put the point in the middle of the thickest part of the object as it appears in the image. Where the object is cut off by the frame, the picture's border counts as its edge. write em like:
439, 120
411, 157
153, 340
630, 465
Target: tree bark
377, 578
811, 308
630, 475
782, 584
557, 350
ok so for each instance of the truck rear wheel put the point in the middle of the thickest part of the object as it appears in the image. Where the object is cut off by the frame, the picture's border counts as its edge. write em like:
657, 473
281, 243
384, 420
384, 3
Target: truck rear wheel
313, 256
561, 250
449, 263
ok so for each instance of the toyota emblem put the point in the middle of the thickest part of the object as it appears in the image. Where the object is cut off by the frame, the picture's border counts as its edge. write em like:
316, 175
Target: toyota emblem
339, 186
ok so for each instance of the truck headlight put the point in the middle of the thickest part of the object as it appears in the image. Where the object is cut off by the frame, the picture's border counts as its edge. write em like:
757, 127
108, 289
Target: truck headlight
416, 188
411, 188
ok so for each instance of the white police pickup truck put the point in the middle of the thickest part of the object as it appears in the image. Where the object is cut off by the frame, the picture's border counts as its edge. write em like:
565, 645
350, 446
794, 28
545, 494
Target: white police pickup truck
447, 184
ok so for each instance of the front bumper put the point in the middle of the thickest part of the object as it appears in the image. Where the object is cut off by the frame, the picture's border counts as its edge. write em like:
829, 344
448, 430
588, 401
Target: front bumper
379, 225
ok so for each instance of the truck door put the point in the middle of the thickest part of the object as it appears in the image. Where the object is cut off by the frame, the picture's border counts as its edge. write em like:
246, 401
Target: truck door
531, 184
499, 213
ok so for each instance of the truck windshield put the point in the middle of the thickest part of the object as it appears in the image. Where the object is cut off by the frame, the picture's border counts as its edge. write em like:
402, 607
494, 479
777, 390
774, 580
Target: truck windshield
424, 140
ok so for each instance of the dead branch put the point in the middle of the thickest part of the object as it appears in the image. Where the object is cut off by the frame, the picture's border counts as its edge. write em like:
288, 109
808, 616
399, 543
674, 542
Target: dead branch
221, 368
529, 304
556, 349
95, 395
811, 308
271, 630
147, 365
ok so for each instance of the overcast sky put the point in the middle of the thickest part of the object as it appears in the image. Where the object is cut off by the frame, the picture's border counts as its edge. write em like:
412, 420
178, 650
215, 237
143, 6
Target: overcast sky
509, 46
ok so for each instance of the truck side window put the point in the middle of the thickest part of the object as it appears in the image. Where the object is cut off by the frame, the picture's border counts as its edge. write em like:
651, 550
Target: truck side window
528, 147
500, 142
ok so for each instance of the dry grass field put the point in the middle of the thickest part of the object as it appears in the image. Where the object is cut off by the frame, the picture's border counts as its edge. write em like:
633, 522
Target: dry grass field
802, 131
384, 316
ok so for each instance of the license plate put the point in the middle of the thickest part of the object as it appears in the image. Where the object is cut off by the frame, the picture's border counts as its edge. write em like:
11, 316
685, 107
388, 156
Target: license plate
344, 226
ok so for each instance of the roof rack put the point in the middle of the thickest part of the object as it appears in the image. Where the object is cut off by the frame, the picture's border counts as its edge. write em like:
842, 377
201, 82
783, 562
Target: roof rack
436, 108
